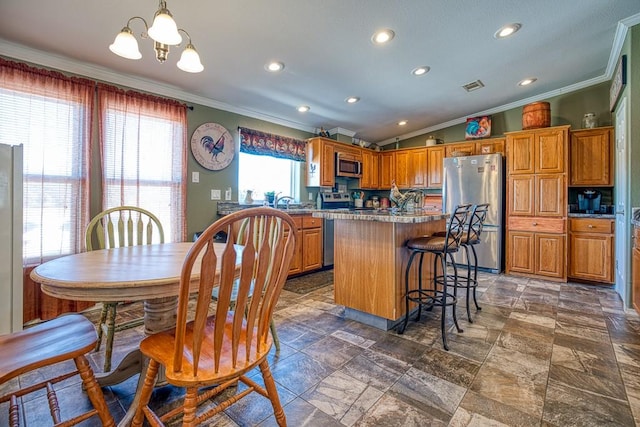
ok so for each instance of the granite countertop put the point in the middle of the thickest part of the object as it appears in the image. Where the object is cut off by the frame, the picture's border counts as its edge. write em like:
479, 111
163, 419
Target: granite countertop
382, 215
585, 215
226, 208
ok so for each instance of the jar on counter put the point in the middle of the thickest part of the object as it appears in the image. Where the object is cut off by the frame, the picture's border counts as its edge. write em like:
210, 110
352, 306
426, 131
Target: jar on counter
589, 121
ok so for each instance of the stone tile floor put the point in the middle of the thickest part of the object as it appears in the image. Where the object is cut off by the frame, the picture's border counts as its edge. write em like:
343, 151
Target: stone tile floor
538, 354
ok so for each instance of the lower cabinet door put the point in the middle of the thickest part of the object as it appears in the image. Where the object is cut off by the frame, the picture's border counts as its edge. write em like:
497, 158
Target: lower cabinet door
550, 255
312, 253
520, 256
590, 257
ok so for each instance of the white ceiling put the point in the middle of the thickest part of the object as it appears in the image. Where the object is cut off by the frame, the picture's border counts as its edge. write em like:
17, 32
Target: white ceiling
328, 54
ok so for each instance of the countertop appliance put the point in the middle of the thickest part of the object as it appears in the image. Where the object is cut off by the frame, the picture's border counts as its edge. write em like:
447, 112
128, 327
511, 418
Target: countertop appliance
348, 165
475, 180
331, 201
589, 201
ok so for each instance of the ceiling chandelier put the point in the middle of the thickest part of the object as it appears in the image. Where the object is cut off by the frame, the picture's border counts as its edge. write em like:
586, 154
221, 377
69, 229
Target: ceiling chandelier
164, 33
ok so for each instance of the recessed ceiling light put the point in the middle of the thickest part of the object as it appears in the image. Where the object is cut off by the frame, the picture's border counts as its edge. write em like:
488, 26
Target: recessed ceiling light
527, 82
352, 100
304, 108
420, 71
383, 36
507, 30
402, 122
274, 66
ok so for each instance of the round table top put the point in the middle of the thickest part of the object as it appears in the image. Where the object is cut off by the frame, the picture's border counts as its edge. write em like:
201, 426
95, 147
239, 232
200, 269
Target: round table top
131, 273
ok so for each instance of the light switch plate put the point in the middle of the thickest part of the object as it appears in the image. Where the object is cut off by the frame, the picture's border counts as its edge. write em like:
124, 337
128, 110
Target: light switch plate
215, 194
195, 177
227, 194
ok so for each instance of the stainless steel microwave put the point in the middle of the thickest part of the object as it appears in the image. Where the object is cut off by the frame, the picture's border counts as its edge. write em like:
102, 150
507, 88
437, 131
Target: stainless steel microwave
348, 165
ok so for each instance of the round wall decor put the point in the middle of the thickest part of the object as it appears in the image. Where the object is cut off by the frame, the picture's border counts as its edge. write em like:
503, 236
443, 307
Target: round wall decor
212, 146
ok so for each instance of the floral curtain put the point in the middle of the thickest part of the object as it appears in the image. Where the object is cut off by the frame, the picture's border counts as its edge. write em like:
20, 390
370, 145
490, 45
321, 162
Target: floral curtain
266, 144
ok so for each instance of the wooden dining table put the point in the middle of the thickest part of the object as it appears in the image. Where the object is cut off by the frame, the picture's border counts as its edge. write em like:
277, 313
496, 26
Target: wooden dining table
149, 273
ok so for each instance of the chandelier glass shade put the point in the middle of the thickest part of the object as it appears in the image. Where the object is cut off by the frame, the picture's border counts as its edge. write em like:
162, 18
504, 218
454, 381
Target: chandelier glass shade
165, 33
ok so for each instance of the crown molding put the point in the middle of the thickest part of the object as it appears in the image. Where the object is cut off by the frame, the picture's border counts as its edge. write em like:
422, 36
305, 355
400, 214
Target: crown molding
63, 63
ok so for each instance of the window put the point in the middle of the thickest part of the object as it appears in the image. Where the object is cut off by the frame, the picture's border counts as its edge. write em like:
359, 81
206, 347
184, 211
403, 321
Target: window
48, 114
143, 157
266, 173
269, 162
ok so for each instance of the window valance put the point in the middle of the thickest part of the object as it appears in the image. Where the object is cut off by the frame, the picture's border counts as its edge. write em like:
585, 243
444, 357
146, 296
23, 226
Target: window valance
266, 144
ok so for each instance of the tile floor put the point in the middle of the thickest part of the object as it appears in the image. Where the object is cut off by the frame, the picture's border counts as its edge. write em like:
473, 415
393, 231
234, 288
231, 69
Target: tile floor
538, 354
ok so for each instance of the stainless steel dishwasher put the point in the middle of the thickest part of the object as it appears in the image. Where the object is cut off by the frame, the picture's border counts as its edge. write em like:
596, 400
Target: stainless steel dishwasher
334, 200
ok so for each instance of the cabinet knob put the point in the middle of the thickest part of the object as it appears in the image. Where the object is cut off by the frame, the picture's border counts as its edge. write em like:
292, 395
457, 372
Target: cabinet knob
534, 223
590, 226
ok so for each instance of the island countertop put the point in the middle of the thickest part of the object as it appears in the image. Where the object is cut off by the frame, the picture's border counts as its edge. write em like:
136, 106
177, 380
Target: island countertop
416, 217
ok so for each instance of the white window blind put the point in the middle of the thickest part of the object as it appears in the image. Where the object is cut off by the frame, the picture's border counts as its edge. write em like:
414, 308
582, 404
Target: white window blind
143, 160
53, 131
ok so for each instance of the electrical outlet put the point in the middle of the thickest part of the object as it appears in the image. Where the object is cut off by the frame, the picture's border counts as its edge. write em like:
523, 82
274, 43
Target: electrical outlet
215, 194
195, 177
227, 194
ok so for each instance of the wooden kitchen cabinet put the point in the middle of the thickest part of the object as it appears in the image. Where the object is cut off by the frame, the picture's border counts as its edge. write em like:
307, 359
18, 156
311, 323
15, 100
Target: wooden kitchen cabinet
311, 243
591, 250
451, 148
296, 262
321, 167
408, 167
485, 146
387, 168
490, 146
403, 176
537, 202
537, 151
591, 154
537, 195
536, 254
308, 253
418, 168
370, 170
435, 156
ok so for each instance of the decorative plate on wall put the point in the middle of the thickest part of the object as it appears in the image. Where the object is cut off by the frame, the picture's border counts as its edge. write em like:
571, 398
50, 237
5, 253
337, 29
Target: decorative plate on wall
212, 146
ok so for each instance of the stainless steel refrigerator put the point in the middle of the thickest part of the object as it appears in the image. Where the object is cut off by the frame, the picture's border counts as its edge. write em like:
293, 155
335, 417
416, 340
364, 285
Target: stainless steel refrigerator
475, 180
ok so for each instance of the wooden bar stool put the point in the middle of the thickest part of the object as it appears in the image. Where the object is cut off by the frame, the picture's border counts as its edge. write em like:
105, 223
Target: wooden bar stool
469, 240
440, 247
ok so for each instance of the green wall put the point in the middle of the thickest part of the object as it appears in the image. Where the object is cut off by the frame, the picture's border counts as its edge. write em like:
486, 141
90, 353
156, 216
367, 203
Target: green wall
201, 210
566, 109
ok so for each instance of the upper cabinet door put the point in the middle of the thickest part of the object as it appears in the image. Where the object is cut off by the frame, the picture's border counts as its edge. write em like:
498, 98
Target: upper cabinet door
520, 152
550, 150
387, 168
435, 156
591, 157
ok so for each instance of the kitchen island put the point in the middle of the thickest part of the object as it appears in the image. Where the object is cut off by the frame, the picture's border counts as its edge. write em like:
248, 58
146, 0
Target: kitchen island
370, 258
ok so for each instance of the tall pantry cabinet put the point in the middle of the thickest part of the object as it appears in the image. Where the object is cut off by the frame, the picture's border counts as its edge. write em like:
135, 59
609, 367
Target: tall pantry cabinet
537, 166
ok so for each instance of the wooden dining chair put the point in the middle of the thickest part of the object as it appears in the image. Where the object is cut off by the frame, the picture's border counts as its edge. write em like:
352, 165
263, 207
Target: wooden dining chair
221, 349
241, 238
68, 337
113, 228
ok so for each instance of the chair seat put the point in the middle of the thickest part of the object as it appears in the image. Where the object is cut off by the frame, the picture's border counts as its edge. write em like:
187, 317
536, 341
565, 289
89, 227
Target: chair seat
62, 338
432, 244
160, 348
